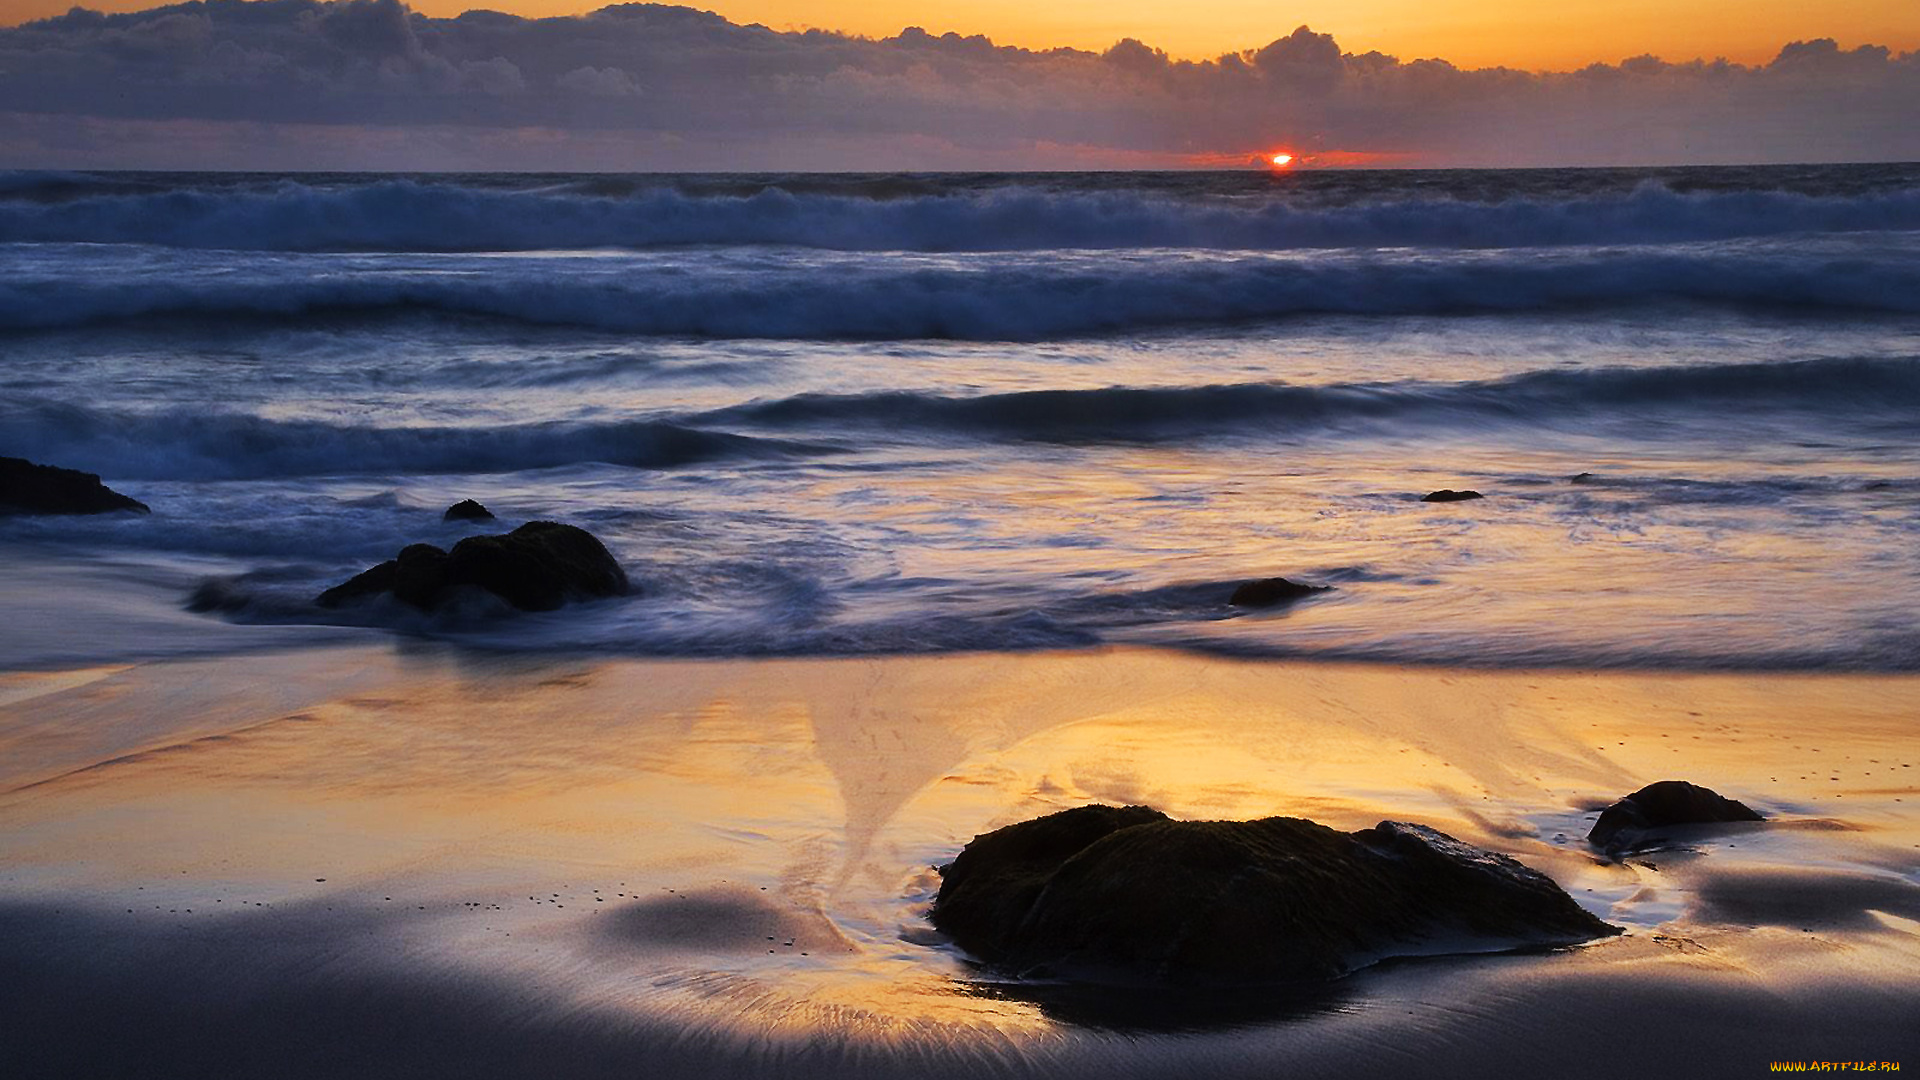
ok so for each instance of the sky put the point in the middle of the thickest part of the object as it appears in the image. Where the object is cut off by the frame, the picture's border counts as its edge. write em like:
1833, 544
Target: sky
374, 84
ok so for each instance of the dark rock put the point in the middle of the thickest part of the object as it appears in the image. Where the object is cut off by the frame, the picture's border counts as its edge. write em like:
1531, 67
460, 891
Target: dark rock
1127, 895
1624, 825
370, 582
1582, 478
420, 575
988, 889
27, 488
1270, 591
1450, 495
536, 567
467, 510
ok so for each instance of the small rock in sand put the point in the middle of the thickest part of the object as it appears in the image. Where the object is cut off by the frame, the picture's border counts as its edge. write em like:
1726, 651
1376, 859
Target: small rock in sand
1624, 825
1450, 495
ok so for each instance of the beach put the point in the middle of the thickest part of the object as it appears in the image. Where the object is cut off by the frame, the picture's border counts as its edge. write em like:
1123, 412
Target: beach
388, 859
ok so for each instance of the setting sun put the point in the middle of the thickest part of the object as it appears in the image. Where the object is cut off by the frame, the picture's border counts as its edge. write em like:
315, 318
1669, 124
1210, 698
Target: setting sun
1281, 161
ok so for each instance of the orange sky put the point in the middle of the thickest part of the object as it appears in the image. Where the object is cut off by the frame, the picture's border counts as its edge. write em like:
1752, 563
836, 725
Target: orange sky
1517, 33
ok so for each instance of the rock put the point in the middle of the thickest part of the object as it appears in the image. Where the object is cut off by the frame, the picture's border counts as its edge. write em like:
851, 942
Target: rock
369, 582
1624, 825
1582, 478
27, 488
1128, 895
467, 510
1270, 591
420, 574
536, 567
988, 889
1450, 495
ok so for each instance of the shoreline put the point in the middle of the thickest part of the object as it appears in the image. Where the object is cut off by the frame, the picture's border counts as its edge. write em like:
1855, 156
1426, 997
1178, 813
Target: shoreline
111, 604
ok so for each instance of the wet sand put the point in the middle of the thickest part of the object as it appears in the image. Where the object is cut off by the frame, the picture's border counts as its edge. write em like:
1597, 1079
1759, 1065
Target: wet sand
379, 860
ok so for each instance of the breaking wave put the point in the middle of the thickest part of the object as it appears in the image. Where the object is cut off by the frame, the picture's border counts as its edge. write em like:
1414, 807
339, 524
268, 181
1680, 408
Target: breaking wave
1842, 386
180, 444
184, 445
419, 215
1004, 296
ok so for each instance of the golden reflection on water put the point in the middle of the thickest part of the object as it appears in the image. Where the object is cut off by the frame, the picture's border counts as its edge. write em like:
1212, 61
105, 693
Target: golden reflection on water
759, 837
1656, 557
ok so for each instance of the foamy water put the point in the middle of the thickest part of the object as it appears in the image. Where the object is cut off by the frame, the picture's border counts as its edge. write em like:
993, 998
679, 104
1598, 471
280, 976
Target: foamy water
825, 415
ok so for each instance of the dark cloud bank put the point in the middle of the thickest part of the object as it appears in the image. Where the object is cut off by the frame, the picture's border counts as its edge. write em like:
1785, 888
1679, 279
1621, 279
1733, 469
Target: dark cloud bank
371, 84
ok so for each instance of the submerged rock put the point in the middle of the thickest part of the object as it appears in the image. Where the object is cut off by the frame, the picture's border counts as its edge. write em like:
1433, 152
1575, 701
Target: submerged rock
1625, 824
467, 510
1450, 495
536, 567
27, 488
1128, 895
1270, 591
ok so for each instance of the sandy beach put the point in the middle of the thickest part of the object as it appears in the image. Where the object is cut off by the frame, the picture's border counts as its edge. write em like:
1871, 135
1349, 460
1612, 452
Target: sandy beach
377, 859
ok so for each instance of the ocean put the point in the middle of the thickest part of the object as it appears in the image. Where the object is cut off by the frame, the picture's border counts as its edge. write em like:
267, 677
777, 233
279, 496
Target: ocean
886, 414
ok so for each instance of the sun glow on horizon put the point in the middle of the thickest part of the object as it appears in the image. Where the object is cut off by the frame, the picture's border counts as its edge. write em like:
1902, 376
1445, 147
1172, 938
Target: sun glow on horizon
1281, 161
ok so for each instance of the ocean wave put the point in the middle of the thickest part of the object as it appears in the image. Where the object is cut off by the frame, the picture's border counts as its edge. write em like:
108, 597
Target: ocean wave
185, 445
1842, 386
442, 216
1005, 296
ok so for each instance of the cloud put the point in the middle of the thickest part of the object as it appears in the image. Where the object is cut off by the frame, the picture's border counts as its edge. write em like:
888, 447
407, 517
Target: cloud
1302, 60
497, 76
599, 82
303, 83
